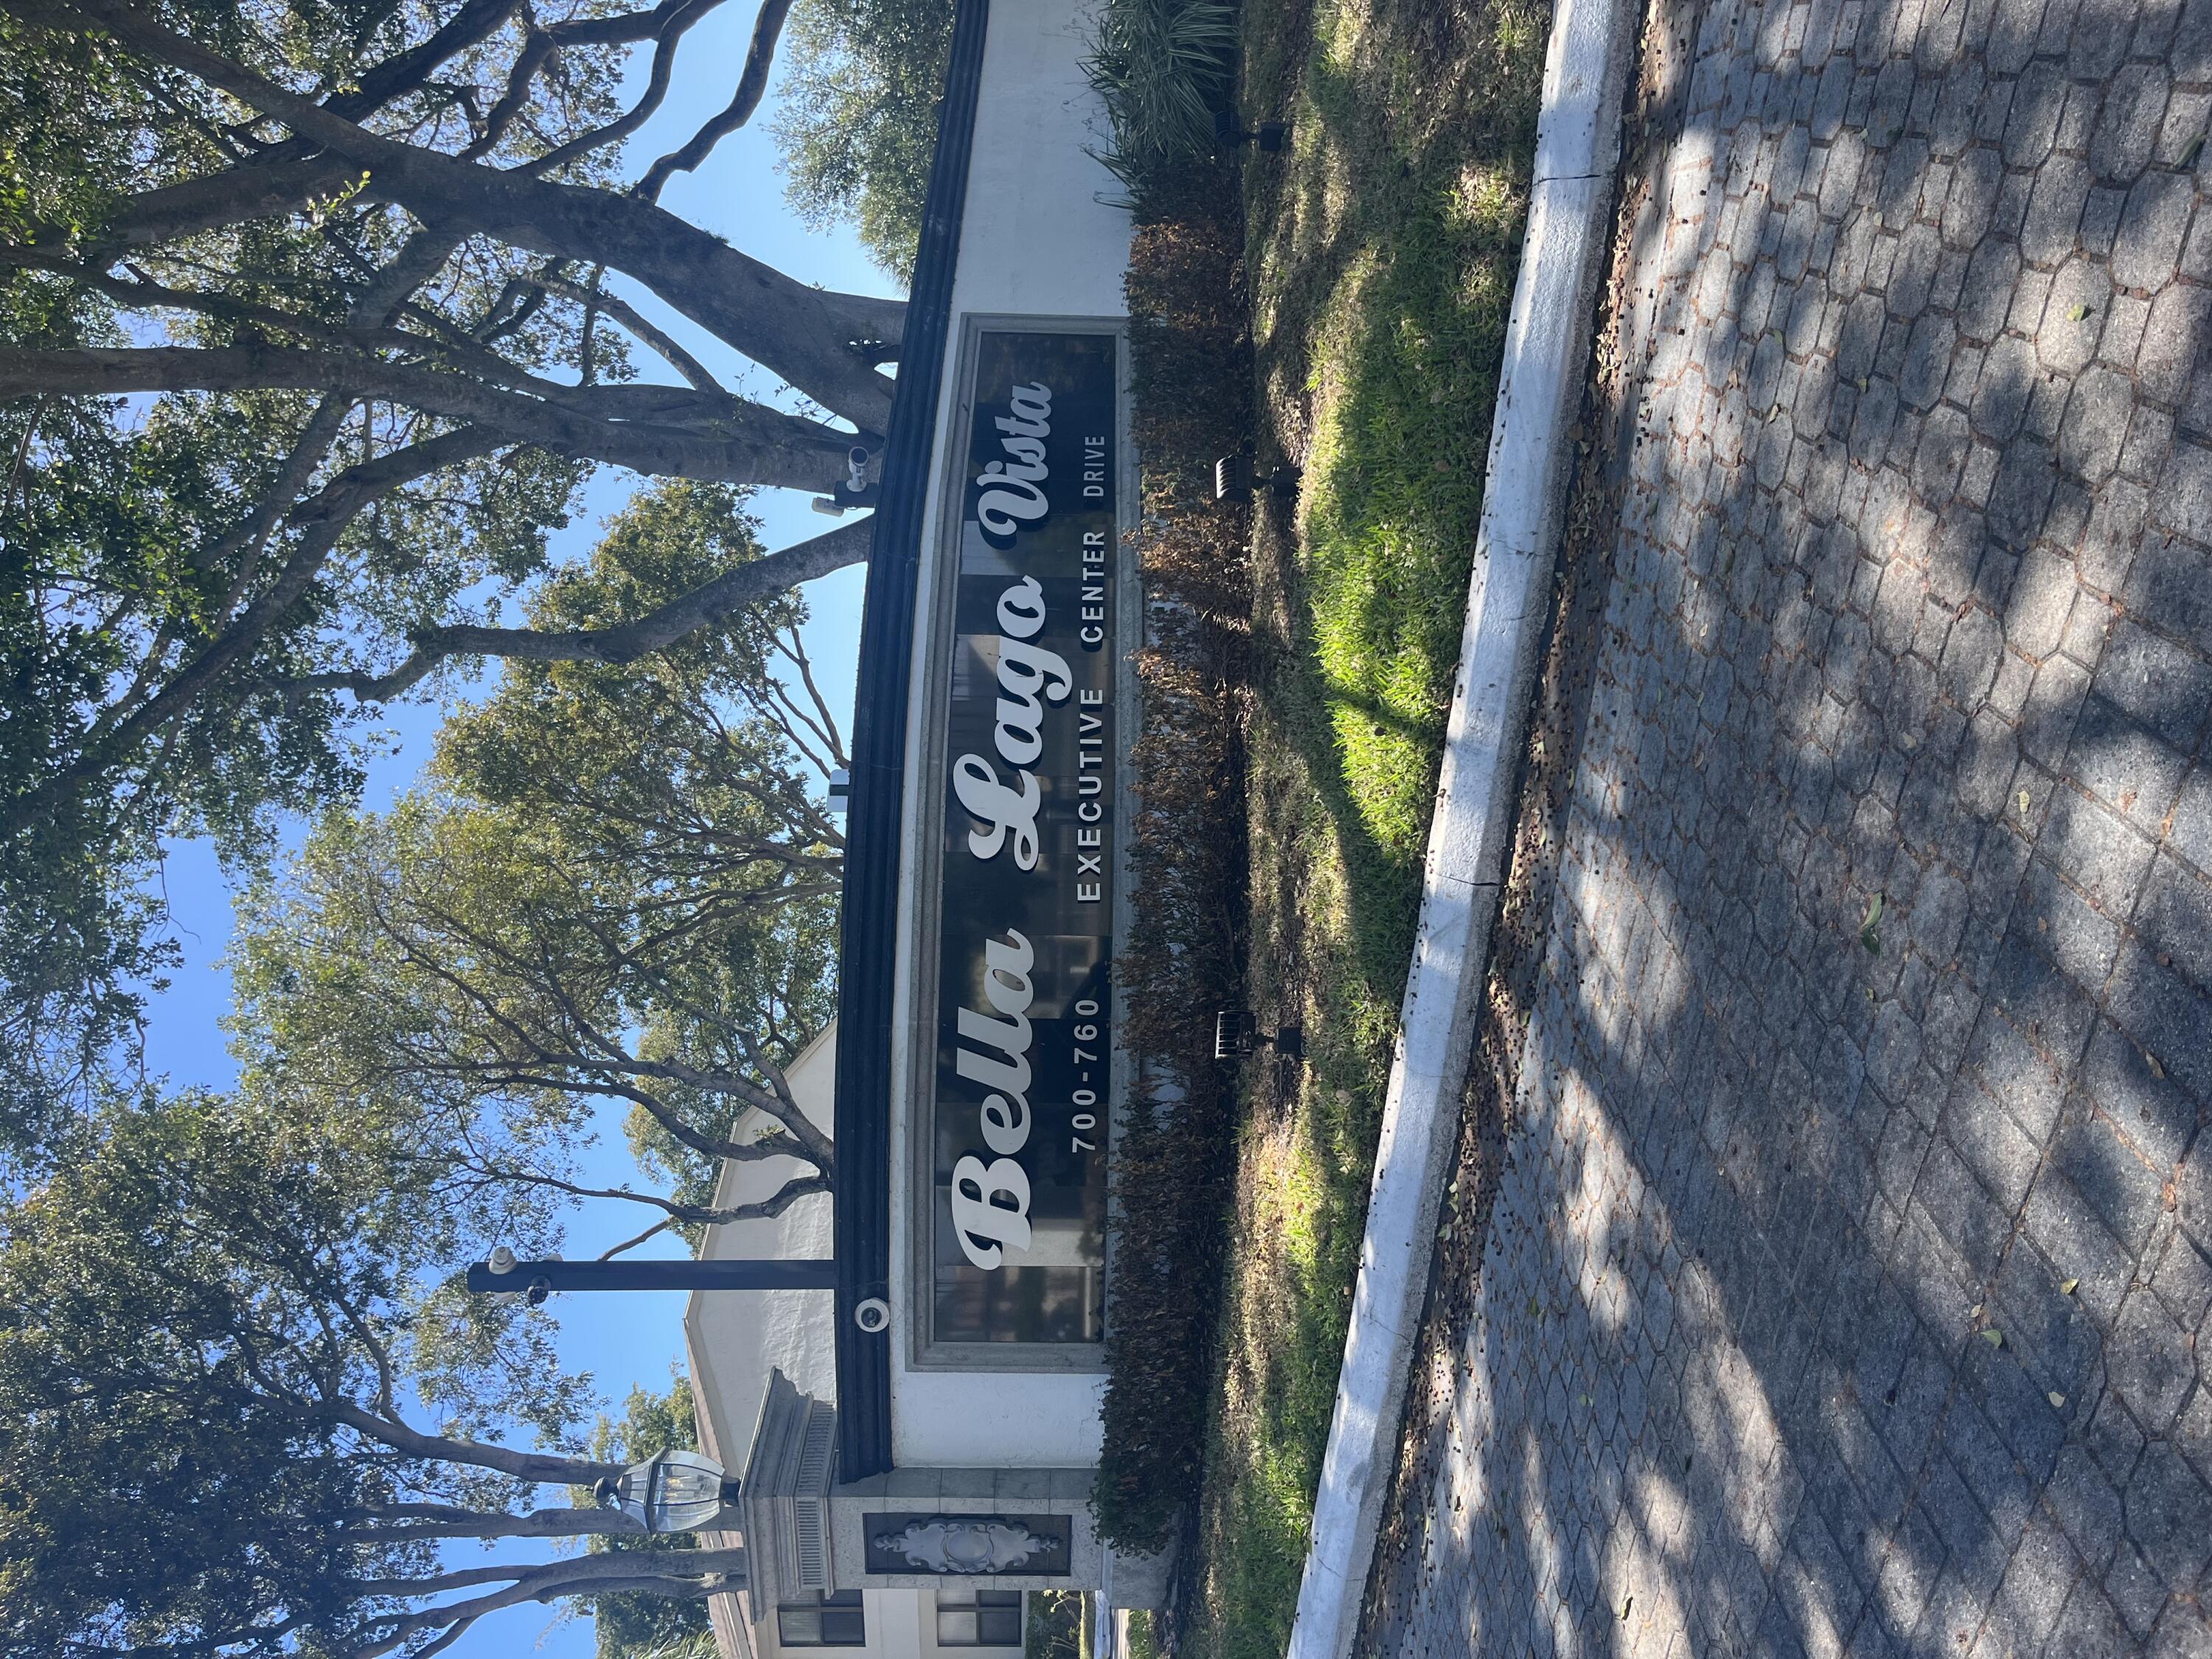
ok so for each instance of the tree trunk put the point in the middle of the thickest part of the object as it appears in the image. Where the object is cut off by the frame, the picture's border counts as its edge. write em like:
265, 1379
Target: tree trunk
538, 1524
543, 1468
804, 334
674, 432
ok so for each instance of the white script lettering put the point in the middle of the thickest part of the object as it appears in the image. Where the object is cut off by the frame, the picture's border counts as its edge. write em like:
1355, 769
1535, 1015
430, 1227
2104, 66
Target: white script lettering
1012, 491
1005, 812
991, 1202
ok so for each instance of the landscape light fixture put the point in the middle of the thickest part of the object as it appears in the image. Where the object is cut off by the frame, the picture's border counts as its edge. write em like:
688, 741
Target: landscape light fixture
671, 1492
1236, 1035
1235, 479
1228, 132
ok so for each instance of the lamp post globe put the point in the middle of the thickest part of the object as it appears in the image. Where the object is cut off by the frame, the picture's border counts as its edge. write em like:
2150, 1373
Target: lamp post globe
673, 1492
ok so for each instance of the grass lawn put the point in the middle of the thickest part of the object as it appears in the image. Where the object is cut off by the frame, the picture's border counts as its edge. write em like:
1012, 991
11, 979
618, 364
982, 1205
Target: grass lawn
1381, 253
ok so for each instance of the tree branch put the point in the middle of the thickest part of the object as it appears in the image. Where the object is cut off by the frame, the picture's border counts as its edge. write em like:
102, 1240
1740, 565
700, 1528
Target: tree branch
752, 82
747, 584
676, 24
541, 1468
255, 189
540, 1522
674, 1211
803, 334
663, 431
473, 24
682, 1573
653, 337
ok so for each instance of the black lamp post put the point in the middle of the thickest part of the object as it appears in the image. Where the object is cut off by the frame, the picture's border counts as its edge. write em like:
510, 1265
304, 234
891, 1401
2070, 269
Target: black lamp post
538, 1279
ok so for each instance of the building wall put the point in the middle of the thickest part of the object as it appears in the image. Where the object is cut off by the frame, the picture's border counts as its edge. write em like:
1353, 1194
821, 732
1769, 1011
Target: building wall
733, 1339
1036, 239
901, 1624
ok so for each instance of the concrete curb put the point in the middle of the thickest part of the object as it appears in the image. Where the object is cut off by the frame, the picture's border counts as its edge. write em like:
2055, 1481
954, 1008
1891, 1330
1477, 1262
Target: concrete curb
1547, 346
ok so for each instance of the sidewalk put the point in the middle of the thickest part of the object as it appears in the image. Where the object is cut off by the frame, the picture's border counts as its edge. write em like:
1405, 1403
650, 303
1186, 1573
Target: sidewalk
1838, 1298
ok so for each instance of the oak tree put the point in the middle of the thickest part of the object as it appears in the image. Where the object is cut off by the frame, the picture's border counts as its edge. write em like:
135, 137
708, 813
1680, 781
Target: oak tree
615, 884
246, 1409
312, 319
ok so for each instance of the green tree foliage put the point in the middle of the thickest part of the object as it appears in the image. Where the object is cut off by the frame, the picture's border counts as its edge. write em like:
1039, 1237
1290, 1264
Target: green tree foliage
245, 1407
246, 1402
615, 882
1059, 1626
859, 121
312, 321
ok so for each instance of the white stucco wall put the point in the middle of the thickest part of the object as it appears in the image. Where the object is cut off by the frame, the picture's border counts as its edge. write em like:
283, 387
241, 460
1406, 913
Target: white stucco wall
1035, 239
733, 1338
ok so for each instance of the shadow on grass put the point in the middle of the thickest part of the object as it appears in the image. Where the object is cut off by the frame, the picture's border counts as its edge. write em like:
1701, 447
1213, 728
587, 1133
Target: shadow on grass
1401, 317
1383, 250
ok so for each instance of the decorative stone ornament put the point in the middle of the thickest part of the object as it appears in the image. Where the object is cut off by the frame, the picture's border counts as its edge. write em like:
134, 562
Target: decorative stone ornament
977, 1545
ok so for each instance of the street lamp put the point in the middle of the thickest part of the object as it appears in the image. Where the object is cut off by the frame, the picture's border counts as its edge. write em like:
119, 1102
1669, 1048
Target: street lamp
671, 1492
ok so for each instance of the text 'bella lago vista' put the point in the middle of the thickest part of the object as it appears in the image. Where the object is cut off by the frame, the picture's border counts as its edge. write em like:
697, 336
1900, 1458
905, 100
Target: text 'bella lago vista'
990, 1196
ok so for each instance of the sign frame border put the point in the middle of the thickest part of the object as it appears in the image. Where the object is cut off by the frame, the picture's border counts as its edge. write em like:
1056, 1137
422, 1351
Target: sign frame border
928, 752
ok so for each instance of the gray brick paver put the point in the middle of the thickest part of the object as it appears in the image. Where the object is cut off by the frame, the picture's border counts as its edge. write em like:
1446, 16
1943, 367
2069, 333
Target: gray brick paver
1911, 594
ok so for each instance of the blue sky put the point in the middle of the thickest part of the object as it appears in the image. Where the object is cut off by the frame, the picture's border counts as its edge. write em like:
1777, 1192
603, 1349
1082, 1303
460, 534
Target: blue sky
623, 1340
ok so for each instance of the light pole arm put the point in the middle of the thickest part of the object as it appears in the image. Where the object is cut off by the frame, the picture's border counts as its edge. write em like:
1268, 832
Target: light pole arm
713, 1274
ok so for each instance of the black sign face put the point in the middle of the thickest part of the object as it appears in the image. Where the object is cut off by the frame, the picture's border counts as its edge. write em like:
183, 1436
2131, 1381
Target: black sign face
1019, 1122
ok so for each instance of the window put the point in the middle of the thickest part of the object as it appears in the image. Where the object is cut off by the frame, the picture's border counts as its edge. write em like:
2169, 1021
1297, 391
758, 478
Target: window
967, 1618
826, 1621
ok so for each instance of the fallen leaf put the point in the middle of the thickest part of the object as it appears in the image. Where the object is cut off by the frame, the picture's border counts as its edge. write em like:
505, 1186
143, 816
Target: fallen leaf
1870, 926
2025, 802
1624, 1607
2057, 1401
2156, 1069
2077, 313
1994, 1337
2066, 1286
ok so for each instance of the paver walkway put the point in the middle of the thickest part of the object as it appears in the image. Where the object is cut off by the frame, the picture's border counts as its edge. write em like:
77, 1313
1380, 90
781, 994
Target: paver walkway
1910, 596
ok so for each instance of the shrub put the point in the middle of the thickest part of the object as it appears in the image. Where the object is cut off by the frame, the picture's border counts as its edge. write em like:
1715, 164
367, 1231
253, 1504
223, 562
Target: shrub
1162, 67
1192, 374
